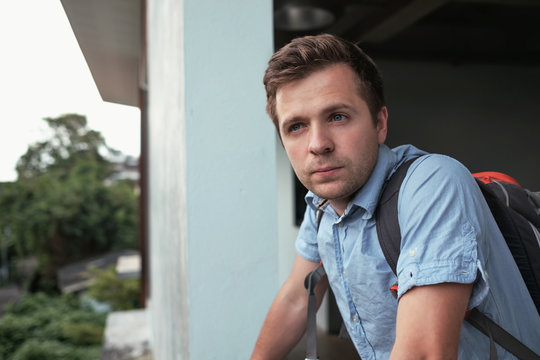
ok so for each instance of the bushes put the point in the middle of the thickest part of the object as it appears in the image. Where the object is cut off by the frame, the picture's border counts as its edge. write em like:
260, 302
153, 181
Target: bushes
108, 287
54, 350
43, 327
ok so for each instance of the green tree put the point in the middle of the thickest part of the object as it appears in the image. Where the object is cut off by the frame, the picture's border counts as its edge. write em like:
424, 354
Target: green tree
45, 327
71, 141
61, 208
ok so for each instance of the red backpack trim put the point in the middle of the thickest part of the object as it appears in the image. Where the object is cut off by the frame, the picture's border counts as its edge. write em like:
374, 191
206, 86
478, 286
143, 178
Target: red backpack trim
490, 176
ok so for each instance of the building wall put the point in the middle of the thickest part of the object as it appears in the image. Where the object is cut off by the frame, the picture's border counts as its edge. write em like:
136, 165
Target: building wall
168, 301
487, 116
287, 229
212, 177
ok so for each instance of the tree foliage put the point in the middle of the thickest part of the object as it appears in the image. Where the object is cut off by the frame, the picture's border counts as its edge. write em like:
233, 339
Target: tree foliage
61, 208
71, 141
45, 327
108, 287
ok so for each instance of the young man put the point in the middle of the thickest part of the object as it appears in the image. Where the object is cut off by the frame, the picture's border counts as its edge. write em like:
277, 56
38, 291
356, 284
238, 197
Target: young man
326, 100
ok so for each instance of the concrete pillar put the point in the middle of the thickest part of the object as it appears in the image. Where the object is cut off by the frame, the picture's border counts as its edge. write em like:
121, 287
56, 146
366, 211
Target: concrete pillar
212, 177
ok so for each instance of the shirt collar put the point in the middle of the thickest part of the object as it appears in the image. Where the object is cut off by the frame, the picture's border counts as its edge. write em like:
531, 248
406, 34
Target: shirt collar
367, 197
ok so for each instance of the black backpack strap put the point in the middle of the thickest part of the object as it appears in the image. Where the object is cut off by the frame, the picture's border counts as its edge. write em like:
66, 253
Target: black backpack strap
389, 234
320, 212
386, 216
500, 336
310, 282
311, 327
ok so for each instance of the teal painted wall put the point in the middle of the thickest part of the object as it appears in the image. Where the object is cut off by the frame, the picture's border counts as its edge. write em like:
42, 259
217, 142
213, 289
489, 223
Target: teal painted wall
213, 207
231, 175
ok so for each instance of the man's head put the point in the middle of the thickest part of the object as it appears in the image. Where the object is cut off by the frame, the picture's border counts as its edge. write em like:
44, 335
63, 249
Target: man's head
325, 97
306, 55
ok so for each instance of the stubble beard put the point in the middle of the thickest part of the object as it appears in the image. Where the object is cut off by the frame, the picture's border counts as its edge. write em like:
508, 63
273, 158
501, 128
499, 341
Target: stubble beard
343, 186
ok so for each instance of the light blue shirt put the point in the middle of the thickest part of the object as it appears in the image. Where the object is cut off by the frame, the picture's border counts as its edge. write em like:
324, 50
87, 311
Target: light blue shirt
448, 235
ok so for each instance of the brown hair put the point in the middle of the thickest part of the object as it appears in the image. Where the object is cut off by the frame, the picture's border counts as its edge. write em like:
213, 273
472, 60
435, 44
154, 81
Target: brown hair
306, 55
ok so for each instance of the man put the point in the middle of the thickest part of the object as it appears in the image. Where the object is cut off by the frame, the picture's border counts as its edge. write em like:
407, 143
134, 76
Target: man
325, 97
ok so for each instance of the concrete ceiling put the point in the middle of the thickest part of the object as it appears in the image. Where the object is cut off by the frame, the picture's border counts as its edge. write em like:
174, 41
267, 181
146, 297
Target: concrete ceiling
109, 34
457, 31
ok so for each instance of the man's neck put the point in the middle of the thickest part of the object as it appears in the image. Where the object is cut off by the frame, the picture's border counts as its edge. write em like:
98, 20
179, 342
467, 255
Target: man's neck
339, 205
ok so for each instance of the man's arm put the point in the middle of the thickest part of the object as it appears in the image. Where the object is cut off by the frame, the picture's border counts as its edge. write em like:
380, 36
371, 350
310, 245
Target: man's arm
286, 320
429, 320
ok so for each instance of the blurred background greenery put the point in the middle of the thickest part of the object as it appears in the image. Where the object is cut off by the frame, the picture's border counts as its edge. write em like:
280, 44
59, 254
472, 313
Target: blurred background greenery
70, 202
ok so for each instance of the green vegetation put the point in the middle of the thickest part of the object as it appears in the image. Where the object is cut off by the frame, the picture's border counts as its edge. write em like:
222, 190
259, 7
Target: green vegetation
44, 327
65, 206
62, 208
107, 287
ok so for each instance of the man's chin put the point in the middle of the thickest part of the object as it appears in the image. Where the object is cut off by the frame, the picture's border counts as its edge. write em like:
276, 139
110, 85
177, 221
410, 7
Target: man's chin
334, 193
328, 194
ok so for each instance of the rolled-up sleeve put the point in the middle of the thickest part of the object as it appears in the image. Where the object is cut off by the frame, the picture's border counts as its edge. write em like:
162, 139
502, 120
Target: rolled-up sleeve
306, 241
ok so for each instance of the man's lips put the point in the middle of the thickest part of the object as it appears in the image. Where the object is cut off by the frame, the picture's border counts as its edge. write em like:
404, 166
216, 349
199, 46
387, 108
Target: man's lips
326, 171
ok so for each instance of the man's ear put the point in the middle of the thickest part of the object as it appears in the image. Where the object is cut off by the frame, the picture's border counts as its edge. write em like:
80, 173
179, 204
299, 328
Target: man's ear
382, 121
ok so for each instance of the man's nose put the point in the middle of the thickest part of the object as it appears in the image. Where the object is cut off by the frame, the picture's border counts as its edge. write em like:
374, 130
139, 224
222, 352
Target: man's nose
320, 141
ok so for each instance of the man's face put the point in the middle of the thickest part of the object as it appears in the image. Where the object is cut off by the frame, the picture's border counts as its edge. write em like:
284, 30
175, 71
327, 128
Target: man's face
329, 134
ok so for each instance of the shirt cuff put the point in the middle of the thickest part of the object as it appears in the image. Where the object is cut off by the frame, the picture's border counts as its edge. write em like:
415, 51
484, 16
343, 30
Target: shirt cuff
307, 251
443, 272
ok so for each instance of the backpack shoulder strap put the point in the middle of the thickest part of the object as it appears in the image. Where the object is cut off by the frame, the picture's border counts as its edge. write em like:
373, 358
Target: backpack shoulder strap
386, 216
311, 327
320, 212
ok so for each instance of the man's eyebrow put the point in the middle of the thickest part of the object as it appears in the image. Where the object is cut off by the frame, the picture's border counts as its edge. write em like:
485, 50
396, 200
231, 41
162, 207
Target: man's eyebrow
336, 107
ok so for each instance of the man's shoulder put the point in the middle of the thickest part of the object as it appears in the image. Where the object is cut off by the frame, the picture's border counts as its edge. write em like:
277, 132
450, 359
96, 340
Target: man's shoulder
436, 166
433, 163
438, 176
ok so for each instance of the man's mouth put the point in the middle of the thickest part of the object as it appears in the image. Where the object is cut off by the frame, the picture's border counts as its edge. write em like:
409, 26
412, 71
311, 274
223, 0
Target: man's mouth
326, 171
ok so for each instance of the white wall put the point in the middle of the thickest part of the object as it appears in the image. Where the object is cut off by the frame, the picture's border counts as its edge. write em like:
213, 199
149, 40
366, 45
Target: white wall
168, 303
213, 222
287, 229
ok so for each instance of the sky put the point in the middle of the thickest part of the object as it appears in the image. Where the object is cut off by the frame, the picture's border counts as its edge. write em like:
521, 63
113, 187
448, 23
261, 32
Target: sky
43, 74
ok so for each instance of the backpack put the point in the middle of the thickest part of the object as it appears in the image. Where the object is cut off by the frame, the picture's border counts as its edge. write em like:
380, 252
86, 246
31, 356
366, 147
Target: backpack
517, 213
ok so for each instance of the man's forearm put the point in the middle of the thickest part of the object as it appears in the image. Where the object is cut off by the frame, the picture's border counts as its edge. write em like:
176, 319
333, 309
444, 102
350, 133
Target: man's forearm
286, 320
429, 321
282, 329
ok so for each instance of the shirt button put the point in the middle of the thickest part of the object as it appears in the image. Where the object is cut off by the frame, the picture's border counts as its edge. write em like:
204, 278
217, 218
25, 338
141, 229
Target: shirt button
343, 272
355, 319
340, 224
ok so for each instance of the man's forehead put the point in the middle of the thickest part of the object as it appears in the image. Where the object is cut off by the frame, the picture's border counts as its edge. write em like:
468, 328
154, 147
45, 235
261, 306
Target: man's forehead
331, 78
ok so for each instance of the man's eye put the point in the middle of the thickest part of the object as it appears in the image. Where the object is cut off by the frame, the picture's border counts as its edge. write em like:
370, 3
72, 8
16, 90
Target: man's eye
295, 127
338, 117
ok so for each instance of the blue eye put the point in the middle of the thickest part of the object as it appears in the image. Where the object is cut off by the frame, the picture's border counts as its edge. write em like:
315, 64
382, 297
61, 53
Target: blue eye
295, 127
338, 117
